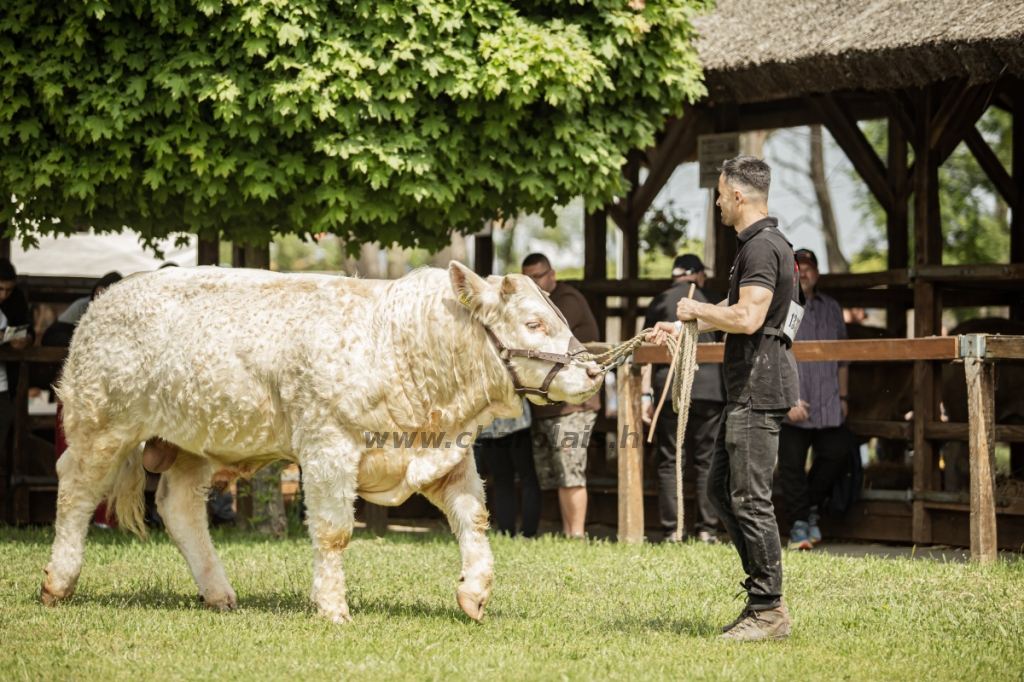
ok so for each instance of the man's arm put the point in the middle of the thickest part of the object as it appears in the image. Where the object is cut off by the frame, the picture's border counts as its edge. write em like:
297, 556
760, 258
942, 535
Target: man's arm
745, 317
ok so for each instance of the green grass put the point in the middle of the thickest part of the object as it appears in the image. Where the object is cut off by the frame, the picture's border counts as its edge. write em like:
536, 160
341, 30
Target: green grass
560, 610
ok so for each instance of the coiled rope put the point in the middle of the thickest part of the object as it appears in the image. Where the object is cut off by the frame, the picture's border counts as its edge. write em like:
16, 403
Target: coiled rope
684, 366
684, 352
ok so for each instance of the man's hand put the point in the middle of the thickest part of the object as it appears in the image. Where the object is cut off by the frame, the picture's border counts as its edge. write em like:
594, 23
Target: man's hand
799, 413
661, 332
20, 344
647, 411
845, 405
687, 309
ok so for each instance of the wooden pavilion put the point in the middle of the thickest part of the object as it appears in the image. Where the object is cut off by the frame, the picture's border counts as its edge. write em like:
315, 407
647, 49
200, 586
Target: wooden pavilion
931, 68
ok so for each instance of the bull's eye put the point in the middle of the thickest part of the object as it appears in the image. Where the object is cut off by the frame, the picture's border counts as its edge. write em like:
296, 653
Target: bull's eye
533, 326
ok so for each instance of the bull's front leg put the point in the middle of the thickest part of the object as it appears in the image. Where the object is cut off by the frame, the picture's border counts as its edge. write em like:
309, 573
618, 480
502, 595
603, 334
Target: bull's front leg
329, 488
460, 495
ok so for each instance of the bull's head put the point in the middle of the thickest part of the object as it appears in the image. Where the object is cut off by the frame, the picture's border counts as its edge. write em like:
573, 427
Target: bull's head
519, 314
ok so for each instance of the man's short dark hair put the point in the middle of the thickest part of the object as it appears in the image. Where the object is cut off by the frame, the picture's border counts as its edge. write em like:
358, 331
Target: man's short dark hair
536, 259
106, 281
749, 173
7, 271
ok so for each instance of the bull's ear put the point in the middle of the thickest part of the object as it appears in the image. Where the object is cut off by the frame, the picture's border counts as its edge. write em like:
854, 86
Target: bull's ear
509, 286
469, 287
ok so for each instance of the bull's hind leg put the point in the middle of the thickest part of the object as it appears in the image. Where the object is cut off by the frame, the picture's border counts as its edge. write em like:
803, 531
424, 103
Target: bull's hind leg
329, 489
460, 495
181, 501
82, 484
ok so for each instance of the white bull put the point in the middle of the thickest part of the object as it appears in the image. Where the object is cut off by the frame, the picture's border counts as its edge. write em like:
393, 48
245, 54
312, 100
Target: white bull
242, 368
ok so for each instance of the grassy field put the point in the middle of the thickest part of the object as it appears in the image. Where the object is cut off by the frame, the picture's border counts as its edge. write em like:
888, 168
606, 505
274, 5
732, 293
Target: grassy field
560, 610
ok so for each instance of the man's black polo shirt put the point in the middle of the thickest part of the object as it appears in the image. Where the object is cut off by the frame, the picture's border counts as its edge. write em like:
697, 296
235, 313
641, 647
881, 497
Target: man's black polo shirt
760, 369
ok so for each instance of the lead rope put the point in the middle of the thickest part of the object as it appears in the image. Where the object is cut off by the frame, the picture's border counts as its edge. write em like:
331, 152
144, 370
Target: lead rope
682, 385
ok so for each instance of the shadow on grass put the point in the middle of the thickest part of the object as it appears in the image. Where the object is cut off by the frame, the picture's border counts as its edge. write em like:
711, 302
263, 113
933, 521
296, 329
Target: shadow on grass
690, 627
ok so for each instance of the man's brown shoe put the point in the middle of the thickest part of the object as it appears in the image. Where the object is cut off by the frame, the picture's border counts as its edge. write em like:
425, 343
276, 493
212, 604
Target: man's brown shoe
761, 626
739, 619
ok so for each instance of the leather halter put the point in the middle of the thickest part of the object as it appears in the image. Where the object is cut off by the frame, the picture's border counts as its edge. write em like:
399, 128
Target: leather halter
559, 361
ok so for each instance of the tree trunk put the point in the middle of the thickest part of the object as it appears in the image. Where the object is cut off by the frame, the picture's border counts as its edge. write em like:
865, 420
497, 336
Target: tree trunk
836, 261
367, 265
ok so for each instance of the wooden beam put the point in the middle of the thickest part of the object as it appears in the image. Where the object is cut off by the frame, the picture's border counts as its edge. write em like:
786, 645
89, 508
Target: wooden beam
856, 147
1005, 433
595, 264
483, 252
1004, 347
897, 223
880, 429
981, 408
901, 113
971, 107
958, 96
679, 142
987, 272
630, 454
1016, 94
618, 214
208, 251
993, 167
862, 350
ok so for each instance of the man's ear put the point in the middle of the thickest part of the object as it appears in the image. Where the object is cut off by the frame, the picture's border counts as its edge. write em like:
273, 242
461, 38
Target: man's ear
469, 287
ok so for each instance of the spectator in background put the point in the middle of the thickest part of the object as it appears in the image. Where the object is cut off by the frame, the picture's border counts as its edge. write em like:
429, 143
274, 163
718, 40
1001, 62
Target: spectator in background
75, 311
14, 312
506, 449
707, 401
816, 422
561, 432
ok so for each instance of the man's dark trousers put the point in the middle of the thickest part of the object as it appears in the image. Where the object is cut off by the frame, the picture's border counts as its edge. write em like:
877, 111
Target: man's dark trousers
701, 428
740, 486
801, 489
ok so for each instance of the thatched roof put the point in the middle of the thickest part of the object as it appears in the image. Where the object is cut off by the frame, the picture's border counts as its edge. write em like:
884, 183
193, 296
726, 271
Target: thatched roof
758, 50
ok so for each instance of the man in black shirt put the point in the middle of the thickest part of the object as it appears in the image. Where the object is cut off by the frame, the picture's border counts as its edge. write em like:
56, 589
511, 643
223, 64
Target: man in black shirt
707, 400
761, 383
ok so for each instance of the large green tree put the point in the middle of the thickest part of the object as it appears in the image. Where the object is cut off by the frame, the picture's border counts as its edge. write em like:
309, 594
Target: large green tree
382, 121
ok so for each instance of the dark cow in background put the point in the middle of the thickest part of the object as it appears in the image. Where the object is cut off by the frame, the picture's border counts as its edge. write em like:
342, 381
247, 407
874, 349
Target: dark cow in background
1009, 399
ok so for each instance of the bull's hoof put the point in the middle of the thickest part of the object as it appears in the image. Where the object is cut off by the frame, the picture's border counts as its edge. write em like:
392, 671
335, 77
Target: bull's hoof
337, 615
222, 604
471, 604
51, 597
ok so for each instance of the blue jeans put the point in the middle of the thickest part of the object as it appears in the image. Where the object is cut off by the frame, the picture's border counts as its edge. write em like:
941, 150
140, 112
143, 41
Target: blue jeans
740, 487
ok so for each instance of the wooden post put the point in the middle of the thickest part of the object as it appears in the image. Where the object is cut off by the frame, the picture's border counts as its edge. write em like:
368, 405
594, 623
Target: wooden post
209, 251
18, 441
629, 443
5, 243
595, 264
376, 517
981, 409
927, 308
726, 246
1017, 233
483, 251
631, 249
896, 223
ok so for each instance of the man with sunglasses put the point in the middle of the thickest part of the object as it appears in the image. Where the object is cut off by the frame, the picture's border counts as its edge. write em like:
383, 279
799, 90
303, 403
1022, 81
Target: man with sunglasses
561, 432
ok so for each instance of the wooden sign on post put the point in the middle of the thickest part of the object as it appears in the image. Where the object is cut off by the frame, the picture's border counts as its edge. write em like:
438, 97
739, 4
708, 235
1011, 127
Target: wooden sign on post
712, 152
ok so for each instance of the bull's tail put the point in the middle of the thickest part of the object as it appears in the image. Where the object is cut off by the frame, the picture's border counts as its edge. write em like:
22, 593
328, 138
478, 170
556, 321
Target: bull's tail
127, 496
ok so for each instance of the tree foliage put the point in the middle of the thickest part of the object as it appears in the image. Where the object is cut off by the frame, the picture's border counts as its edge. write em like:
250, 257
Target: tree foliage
383, 121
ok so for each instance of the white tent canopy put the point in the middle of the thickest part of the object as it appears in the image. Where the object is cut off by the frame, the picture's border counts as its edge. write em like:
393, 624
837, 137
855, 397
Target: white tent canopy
92, 255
